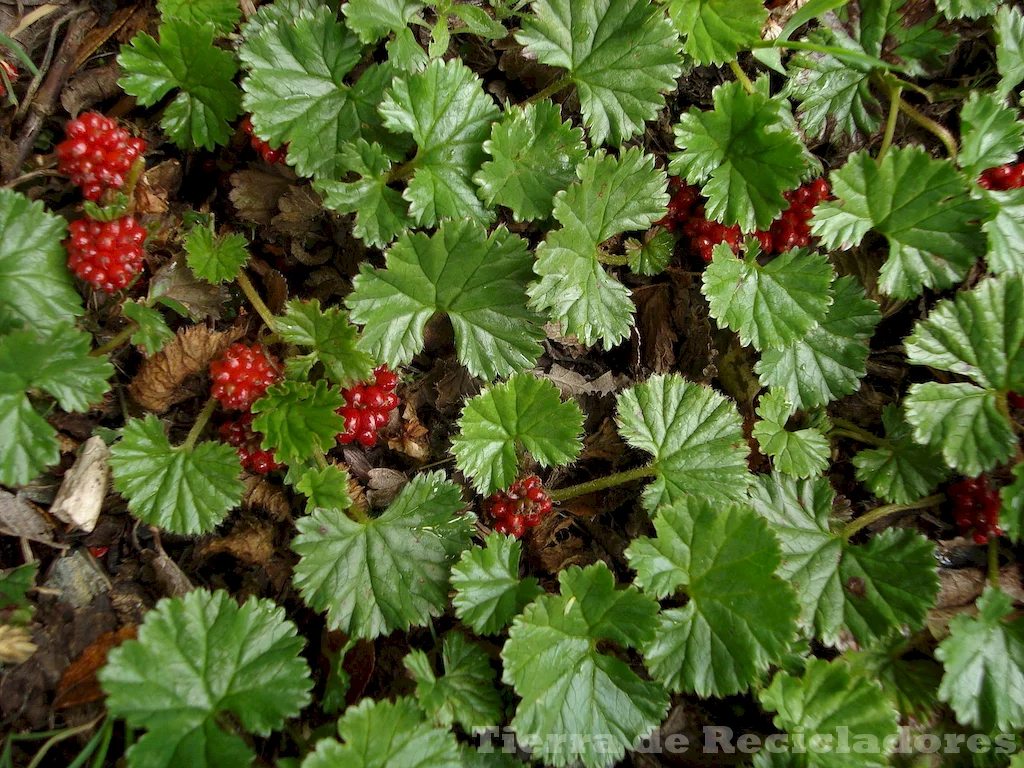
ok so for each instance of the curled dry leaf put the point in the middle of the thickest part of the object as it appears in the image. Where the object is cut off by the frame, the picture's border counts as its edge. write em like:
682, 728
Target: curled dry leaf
412, 436
259, 494
302, 212
252, 545
158, 384
79, 685
573, 384
962, 586
16, 644
256, 193
156, 186
175, 283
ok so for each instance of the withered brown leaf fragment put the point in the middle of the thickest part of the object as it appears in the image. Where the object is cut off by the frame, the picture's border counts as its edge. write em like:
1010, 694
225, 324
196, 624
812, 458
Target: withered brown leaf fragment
158, 384
79, 684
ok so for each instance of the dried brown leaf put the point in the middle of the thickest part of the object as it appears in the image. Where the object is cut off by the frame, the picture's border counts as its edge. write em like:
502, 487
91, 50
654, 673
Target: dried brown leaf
412, 435
266, 496
79, 684
253, 545
16, 644
302, 211
175, 282
574, 384
654, 320
275, 287
256, 193
384, 485
20, 518
156, 186
158, 384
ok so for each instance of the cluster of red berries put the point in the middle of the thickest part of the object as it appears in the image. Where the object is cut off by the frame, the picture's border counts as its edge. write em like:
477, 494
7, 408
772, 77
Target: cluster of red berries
518, 508
976, 508
241, 375
239, 434
97, 154
107, 254
368, 407
791, 230
268, 153
1003, 178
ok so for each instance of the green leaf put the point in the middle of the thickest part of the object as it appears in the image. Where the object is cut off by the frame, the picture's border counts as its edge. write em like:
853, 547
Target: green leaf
979, 334
380, 734
832, 705
911, 684
466, 693
825, 88
1011, 516
332, 338
223, 14
971, 9
802, 453
523, 411
962, 422
900, 471
198, 658
622, 55
695, 436
888, 582
714, 31
488, 590
613, 195
178, 488
534, 156
326, 488
991, 134
478, 21
652, 256
186, 60
727, 634
35, 285
384, 573
479, 281
381, 213
922, 47
297, 94
984, 666
828, 361
769, 306
449, 116
567, 685
215, 259
919, 204
1005, 230
742, 153
799, 512
57, 362
1009, 27
405, 52
14, 586
374, 19
297, 418
152, 332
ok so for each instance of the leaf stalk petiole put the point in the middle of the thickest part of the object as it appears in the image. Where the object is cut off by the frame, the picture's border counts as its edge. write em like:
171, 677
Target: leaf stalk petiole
592, 486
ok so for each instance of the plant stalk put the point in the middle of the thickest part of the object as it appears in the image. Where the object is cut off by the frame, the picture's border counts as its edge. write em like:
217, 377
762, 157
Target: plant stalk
116, 340
993, 561
737, 70
551, 90
885, 510
844, 428
939, 131
200, 425
254, 298
890, 125
592, 486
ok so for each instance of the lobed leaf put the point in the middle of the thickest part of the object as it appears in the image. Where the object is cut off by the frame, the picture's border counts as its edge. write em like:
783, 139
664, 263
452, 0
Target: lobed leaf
801, 453
215, 259
488, 590
297, 418
332, 338
714, 31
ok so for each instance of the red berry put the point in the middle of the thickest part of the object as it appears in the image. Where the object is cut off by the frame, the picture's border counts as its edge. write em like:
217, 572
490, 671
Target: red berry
241, 375
368, 407
107, 254
269, 154
240, 434
97, 154
98, 551
1015, 400
519, 507
976, 507
1003, 177
12, 74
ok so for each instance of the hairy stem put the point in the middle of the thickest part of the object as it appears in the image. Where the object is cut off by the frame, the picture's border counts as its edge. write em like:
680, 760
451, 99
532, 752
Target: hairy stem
844, 428
592, 486
885, 510
551, 90
254, 298
939, 131
116, 340
741, 76
890, 125
200, 425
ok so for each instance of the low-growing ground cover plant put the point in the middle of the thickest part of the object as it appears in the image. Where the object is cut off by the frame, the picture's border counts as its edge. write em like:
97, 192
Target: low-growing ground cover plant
487, 385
